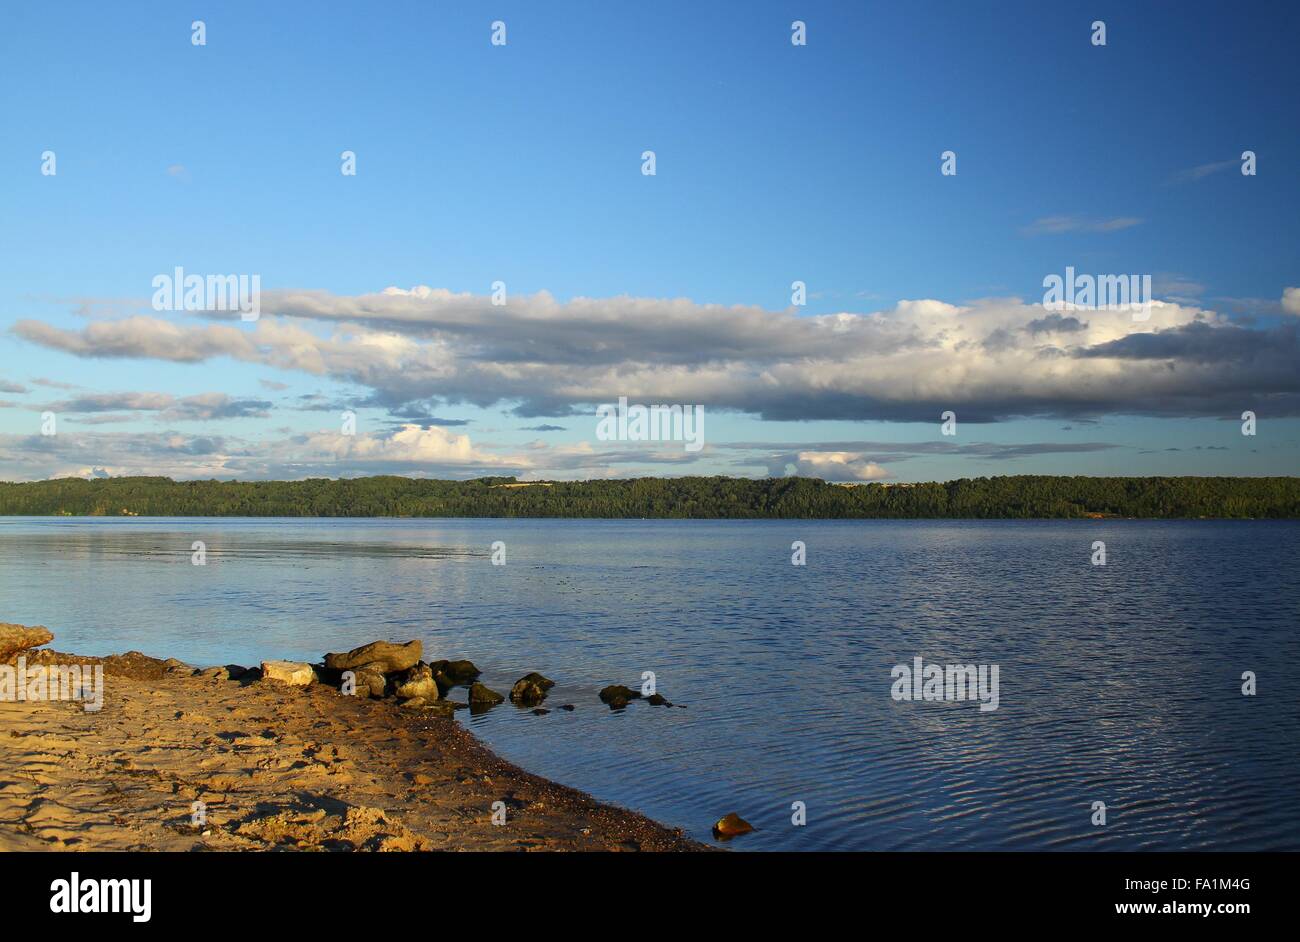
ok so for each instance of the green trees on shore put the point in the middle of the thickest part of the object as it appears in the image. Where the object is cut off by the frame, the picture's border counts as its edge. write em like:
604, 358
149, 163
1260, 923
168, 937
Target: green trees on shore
692, 497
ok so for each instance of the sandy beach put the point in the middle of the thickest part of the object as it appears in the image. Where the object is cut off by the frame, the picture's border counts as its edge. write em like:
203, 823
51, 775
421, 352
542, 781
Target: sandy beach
276, 767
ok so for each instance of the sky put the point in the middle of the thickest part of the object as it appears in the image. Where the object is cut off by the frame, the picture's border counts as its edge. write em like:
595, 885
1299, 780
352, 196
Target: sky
501, 262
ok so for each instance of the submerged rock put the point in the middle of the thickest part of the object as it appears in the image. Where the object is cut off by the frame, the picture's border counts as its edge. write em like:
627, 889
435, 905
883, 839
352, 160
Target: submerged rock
479, 694
530, 689
293, 673
616, 696
17, 638
657, 699
417, 682
393, 657
732, 825
430, 707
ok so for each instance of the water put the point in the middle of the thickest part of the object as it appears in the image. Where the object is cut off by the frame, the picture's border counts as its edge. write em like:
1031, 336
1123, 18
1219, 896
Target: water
1119, 684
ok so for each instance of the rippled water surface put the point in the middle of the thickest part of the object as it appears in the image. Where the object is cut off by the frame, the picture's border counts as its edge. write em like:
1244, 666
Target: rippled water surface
1119, 684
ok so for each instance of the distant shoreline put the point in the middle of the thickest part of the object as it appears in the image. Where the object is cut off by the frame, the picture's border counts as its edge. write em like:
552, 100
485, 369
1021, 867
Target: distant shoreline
1021, 497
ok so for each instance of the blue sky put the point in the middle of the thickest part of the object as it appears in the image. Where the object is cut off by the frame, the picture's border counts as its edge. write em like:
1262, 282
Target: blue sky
774, 163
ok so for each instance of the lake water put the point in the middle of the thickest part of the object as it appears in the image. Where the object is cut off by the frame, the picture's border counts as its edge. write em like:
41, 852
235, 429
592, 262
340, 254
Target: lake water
1119, 684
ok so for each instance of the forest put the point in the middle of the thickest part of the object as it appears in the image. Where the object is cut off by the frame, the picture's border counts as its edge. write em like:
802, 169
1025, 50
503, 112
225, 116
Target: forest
1011, 497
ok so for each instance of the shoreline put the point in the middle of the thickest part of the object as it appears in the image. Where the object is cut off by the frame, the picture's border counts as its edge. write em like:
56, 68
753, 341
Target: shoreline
275, 767
715, 497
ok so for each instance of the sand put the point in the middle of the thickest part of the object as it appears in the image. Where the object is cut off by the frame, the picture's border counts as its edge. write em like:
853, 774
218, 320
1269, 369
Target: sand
277, 768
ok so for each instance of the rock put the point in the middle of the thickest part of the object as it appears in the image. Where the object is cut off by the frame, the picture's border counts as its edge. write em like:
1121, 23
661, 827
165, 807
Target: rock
392, 656
617, 696
17, 638
540, 712
293, 673
568, 706
731, 826
450, 674
478, 693
417, 682
657, 699
132, 664
440, 708
330, 676
444, 682
462, 672
530, 689
370, 681
213, 673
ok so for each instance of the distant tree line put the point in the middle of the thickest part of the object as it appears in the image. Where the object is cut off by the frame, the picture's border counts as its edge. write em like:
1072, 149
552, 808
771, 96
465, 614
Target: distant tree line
1018, 497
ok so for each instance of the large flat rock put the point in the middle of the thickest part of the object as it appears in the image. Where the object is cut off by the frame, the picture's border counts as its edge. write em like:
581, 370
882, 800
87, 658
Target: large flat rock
393, 656
14, 639
293, 673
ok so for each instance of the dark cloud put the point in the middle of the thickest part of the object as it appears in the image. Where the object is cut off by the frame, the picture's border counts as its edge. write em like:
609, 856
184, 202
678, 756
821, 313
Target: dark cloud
1054, 323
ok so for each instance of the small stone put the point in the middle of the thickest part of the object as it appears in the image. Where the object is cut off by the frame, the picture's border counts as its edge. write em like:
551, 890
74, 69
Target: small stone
732, 825
616, 696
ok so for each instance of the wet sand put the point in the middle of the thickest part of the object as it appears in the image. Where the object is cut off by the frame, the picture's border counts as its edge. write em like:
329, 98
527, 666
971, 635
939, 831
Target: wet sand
276, 768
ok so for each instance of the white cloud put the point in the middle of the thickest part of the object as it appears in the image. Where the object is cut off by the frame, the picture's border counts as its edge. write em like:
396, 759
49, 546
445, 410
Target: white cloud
422, 348
838, 466
1056, 225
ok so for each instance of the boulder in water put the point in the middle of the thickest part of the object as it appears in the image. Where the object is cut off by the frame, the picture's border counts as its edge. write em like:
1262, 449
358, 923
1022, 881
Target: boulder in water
530, 689
733, 825
616, 696
481, 694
